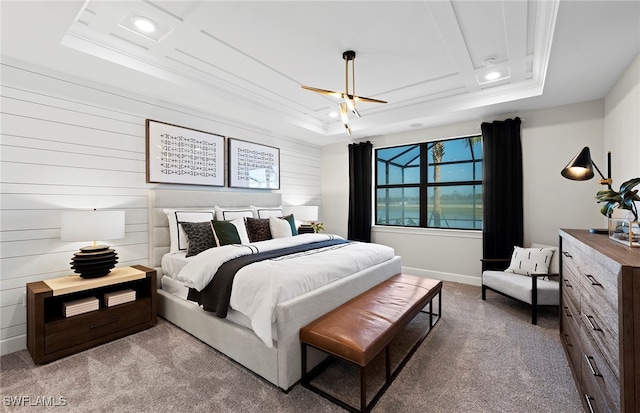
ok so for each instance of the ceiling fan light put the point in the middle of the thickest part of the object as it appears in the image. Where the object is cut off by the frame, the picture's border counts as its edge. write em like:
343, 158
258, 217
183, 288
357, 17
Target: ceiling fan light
345, 118
351, 105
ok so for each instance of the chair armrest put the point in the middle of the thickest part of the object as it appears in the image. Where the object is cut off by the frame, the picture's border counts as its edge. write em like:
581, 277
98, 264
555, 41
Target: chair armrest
498, 264
544, 275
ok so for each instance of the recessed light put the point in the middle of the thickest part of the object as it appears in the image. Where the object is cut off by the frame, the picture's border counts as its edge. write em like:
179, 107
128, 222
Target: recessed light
492, 75
333, 114
144, 24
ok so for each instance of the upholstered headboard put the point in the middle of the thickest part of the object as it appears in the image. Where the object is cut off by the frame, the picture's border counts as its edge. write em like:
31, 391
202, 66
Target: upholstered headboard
158, 199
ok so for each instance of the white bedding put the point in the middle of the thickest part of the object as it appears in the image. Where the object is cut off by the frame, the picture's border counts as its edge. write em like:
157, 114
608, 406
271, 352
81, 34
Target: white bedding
258, 288
173, 263
179, 290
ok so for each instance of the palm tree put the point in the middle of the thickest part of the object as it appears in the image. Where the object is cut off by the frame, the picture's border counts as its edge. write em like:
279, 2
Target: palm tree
437, 154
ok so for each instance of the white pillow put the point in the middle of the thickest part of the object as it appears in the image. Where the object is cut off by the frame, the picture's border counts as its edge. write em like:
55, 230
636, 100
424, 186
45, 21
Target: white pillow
229, 214
527, 261
266, 212
176, 233
242, 230
280, 228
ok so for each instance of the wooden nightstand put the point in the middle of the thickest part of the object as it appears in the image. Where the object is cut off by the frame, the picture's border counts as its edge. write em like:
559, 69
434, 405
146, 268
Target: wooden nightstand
51, 335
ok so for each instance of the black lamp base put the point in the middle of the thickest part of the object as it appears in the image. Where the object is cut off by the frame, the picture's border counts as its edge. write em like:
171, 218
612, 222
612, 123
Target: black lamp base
306, 229
94, 261
598, 230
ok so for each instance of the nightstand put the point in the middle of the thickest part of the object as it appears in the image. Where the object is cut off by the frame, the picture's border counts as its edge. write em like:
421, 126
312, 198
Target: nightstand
306, 229
51, 335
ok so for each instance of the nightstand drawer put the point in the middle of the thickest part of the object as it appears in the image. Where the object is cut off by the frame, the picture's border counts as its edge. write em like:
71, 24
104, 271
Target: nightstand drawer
75, 330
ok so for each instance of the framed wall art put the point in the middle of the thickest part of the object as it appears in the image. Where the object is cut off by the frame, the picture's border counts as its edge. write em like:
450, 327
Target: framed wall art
253, 166
180, 155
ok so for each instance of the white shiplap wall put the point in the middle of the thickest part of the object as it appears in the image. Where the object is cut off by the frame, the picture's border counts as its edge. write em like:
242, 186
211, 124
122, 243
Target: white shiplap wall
70, 144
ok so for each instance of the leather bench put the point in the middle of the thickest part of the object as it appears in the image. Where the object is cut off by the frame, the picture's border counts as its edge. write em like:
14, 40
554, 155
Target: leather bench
361, 328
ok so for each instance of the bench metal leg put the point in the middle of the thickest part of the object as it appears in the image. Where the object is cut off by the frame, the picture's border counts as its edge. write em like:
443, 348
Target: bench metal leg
389, 376
363, 389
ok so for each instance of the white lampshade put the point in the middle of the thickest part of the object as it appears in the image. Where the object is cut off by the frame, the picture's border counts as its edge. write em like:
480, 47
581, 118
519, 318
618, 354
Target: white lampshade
306, 213
92, 225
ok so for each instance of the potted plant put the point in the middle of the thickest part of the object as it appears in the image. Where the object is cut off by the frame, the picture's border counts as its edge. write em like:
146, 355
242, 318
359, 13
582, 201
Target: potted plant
622, 229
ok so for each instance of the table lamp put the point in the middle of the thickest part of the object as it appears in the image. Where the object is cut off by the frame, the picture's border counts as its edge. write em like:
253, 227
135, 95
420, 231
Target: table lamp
307, 214
580, 168
95, 260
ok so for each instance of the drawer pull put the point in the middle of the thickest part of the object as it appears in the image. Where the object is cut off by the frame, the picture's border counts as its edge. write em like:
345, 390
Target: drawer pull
567, 312
592, 324
593, 369
592, 279
92, 326
567, 284
589, 398
567, 342
566, 254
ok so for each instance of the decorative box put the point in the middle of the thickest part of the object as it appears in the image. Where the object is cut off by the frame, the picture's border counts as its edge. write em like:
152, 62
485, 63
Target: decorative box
625, 231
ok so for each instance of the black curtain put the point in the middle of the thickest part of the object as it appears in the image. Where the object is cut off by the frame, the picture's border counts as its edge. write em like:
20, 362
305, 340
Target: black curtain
359, 225
502, 226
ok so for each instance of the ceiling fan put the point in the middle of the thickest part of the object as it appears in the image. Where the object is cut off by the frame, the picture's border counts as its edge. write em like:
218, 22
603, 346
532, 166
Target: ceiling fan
350, 98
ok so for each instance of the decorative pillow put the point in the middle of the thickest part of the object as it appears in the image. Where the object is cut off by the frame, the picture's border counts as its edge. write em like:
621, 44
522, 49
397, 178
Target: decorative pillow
258, 229
200, 237
266, 212
292, 222
279, 227
242, 230
176, 233
527, 261
225, 233
229, 214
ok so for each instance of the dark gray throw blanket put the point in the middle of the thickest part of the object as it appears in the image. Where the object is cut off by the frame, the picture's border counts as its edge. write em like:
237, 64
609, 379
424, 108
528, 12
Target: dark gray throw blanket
216, 295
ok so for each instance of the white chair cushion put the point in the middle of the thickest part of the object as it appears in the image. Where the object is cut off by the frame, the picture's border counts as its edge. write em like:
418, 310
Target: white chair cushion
519, 287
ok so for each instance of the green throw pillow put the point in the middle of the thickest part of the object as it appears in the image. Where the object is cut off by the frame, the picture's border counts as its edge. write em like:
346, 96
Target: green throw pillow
225, 233
292, 222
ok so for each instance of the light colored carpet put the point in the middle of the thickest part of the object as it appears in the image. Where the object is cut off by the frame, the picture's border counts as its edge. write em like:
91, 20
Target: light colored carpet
483, 356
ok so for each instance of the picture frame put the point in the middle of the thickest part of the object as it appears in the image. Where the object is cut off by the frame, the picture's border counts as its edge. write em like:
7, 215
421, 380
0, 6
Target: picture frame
180, 155
252, 165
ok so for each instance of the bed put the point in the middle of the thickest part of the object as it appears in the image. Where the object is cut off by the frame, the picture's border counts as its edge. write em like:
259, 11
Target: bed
278, 363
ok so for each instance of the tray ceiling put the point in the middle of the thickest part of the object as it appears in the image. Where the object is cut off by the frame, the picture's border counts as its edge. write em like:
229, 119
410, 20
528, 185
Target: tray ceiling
245, 61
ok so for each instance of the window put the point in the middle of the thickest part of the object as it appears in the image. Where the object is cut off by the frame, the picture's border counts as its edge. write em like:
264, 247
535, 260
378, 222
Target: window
431, 184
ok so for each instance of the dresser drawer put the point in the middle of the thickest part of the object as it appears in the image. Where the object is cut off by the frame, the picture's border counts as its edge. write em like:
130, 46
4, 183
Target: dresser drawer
570, 336
598, 379
592, 272
604, 333
79, 329
570, 283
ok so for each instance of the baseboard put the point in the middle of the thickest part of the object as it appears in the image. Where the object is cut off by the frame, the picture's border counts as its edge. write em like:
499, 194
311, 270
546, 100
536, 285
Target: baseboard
444, 276
13, 344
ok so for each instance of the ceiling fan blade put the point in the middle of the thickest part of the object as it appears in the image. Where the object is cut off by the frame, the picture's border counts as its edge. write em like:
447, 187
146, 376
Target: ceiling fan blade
324, 91
370, 100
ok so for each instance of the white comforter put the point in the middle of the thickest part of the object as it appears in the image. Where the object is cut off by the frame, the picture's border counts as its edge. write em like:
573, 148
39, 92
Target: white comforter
258, 288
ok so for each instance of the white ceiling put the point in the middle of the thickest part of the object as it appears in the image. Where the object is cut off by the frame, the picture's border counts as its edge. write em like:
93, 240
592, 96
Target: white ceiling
244, 62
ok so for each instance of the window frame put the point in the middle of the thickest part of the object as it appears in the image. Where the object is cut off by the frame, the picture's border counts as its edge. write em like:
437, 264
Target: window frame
425, 183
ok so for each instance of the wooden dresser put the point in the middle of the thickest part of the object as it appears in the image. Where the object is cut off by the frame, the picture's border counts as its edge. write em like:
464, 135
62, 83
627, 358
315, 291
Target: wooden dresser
600, 319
